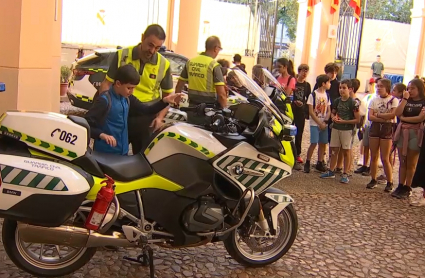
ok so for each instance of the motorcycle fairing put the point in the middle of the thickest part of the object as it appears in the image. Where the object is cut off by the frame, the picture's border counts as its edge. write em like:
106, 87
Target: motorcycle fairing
153, 181
258, 170
183, 138
52, 133
40, 192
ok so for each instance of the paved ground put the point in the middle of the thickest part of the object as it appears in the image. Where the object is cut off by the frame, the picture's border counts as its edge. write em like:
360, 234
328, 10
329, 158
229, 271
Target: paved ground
345, 231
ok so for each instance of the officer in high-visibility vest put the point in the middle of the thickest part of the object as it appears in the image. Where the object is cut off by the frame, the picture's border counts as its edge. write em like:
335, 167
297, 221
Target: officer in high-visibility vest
205, 79
155, 82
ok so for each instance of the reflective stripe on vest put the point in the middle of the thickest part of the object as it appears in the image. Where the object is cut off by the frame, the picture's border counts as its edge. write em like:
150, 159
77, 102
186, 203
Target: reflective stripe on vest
200, 71
210, 87
148, 89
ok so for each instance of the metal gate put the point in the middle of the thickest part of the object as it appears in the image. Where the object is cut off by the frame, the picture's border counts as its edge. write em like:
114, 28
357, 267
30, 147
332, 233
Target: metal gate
263, 15
348, 40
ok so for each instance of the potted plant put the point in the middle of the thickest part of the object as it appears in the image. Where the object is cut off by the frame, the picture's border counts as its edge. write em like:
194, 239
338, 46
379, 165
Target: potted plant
65, 73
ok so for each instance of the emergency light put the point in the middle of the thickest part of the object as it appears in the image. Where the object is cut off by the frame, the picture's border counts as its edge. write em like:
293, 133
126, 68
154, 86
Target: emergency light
2, 87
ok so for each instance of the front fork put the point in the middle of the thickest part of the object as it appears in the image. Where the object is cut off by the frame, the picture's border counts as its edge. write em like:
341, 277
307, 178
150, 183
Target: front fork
277, 201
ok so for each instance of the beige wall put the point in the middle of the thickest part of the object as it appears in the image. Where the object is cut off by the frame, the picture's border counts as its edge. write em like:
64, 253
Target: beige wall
249, 62
30, 56
415, 59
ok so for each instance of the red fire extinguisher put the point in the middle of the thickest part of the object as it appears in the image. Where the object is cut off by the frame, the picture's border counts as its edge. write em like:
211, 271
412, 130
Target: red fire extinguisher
101, 204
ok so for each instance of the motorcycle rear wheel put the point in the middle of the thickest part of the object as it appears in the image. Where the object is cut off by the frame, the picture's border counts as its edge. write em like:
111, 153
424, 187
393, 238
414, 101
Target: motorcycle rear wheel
42, 266
287, 232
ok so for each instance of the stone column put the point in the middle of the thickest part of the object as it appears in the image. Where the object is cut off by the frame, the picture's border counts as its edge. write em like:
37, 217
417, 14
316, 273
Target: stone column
415, 55
30, 53
188, 27
313, 46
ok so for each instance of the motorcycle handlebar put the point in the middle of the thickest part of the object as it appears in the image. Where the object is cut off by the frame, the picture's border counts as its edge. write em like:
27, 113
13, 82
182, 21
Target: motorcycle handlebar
189, 109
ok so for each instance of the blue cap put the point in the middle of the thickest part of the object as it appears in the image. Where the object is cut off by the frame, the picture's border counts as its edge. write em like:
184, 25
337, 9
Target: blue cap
2, 87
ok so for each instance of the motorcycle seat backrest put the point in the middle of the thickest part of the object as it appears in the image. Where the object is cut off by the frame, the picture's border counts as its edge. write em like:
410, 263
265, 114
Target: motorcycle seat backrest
82, 122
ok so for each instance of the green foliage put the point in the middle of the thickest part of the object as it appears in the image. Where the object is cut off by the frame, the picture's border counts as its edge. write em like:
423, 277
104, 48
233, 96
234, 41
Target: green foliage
65, 73
288, 16
392, 10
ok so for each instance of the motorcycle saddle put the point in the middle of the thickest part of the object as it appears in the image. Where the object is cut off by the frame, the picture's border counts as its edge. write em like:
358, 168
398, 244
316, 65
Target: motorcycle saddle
123, 168
118, 167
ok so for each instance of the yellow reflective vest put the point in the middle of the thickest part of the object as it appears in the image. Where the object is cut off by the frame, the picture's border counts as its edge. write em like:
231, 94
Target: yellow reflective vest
149, 86
200, 73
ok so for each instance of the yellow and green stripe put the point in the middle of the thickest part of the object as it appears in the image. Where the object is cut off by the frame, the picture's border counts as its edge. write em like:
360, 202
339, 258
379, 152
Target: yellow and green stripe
182, 139
84, 98
37, 142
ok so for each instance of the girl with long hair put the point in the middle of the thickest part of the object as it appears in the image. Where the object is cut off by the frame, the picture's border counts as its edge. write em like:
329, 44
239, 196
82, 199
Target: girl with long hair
409, 135
286, 76
381, 115
258, 75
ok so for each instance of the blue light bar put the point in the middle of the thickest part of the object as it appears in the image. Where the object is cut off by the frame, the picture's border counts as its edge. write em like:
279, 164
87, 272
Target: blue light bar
2, 87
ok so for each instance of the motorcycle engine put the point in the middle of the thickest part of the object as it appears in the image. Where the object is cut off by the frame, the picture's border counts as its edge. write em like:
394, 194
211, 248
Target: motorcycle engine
203, 216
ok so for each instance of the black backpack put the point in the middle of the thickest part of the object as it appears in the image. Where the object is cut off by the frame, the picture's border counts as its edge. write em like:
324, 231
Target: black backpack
313, 94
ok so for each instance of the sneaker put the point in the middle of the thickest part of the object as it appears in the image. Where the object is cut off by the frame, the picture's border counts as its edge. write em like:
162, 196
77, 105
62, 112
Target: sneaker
419, 203
404, 192
338, 171
361, 170
366, 172
328, 175
416, 196
382, 179
320, 167
298, 166
397, 190
299, 159
344, 178
307, 167
389, 187
372, 184
360, 161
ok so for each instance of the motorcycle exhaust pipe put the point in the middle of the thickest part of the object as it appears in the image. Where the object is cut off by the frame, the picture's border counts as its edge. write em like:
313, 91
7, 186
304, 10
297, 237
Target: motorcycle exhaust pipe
70, 236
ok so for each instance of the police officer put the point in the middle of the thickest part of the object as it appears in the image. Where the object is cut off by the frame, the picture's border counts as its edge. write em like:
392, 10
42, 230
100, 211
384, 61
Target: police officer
155, 82
205, 79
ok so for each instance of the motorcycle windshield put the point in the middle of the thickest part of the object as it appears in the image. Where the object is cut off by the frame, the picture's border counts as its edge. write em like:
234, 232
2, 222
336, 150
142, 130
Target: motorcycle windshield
258, 92
271, 80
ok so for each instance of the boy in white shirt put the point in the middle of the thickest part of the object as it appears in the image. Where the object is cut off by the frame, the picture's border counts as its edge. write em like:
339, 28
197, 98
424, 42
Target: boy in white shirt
319, 109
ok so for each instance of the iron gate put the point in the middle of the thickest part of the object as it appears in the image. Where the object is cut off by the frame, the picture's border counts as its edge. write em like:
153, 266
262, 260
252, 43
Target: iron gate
263, 15
348, 40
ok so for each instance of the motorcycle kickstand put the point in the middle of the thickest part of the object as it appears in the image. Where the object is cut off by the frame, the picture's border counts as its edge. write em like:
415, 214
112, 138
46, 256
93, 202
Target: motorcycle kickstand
145, 259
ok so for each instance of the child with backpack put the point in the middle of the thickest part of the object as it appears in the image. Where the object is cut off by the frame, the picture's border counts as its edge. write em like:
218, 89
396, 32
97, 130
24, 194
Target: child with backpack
319, 110
345, 115
108, 115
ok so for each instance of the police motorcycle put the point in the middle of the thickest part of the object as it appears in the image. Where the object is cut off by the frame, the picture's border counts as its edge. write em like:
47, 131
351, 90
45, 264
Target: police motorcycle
272, 87
192, 186
178, 115
276, 93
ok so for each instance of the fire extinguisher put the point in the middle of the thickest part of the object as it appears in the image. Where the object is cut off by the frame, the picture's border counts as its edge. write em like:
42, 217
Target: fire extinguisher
101, 204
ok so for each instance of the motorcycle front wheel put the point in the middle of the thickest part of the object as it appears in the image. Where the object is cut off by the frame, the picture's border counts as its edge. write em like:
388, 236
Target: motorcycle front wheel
43, 260
257, 251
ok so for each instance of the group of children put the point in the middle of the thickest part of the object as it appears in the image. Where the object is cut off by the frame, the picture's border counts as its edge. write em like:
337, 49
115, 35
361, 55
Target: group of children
387, 121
